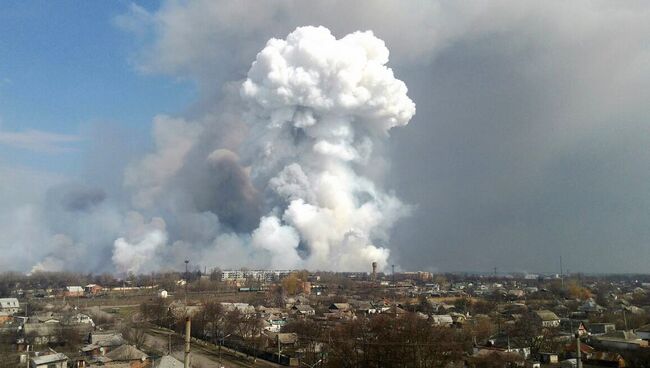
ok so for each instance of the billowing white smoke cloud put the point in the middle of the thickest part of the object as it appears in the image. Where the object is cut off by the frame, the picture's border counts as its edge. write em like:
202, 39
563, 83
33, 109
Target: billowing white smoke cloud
316, 106
288, 193
62, 245
138, 249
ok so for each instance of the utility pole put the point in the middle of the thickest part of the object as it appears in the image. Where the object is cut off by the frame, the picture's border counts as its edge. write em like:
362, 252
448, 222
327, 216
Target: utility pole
578, 352
277, 339
27, 356
495, 273
393, 291
186, 281
188, 330
222, 340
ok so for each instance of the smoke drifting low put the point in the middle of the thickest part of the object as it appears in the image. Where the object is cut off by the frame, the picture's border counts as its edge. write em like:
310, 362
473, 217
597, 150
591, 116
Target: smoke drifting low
273, 175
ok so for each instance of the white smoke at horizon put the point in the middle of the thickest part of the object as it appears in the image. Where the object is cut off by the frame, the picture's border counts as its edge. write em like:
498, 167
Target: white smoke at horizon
287, 191
133, 252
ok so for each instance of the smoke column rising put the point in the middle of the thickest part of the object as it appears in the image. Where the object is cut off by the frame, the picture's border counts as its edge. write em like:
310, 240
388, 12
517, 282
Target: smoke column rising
317, 106
313, 109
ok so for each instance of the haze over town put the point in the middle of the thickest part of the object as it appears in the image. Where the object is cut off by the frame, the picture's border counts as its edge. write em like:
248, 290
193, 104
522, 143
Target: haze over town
134, 136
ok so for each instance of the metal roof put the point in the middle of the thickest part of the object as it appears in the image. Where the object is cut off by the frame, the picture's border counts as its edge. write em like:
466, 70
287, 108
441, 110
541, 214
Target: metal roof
51, 358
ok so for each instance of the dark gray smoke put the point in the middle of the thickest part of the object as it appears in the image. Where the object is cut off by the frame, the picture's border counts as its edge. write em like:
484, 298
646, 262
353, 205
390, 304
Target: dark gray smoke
78, 197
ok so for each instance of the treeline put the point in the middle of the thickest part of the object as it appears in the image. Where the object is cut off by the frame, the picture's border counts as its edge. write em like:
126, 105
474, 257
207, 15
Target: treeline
10, 282
210, 323
383, 340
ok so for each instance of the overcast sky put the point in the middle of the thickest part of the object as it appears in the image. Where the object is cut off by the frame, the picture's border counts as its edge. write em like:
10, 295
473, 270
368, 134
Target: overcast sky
530, 141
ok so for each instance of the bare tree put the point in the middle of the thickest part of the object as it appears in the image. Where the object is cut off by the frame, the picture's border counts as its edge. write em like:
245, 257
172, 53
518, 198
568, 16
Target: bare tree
135, 333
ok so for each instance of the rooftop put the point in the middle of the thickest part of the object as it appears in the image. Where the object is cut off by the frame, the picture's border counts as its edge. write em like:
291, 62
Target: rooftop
50, 358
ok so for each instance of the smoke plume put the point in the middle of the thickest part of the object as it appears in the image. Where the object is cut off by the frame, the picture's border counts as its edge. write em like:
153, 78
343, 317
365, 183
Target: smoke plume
288, 190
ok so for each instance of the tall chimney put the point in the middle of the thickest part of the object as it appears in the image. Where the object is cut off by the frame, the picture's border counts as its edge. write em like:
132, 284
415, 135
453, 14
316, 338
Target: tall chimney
374, 271
188, 330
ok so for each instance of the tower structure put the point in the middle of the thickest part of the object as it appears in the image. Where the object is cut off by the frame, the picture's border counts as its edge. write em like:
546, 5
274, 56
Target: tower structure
374, 271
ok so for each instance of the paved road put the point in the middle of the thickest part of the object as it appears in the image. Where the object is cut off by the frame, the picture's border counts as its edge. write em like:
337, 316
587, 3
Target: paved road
201, 356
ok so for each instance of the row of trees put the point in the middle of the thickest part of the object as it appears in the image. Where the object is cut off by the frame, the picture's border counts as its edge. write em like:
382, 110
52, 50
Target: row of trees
12, 281
380, 341
373, 341
211, 323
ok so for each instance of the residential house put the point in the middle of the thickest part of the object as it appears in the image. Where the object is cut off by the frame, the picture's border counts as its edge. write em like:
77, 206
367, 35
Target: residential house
73, 291
442, 320
340, 307
81, 318
604, 359
512, 308
570, 350
601, 328
272, 326
516, 293
92, 289
443, 307
371, 307
547, 318
618, 340
365, 307
56, 360
396, 311
9, 306
548, 358
303, 310
590, 308
41, 333
100, 343
283, 338
503, 342
342, 310
168, 361
128, 354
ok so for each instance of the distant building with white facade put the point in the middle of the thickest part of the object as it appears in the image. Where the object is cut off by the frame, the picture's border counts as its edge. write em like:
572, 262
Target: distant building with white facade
9, 305
261, 275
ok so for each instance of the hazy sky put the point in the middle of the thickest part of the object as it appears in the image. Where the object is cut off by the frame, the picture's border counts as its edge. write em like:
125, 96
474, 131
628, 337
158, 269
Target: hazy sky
530, 141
